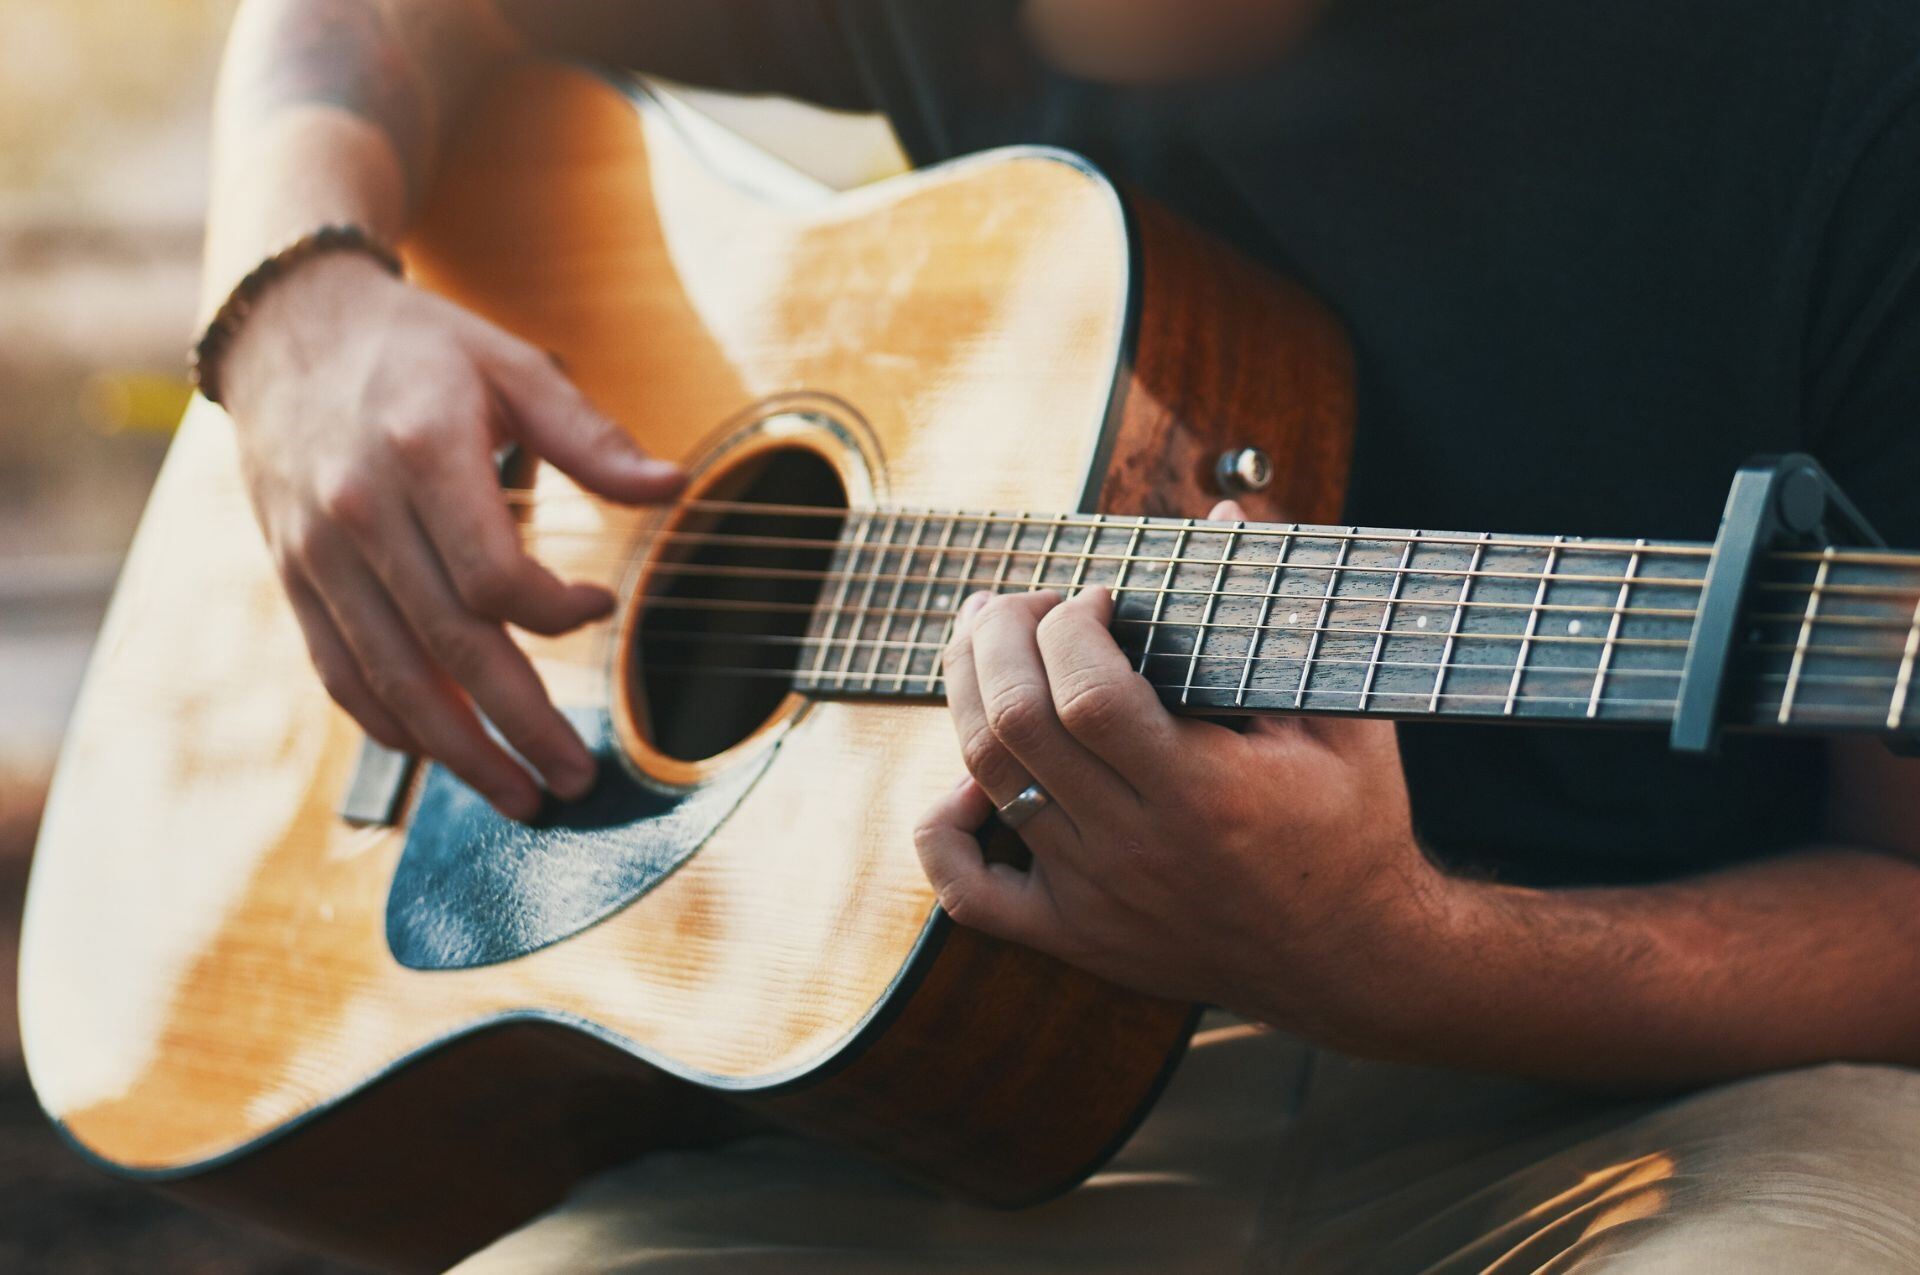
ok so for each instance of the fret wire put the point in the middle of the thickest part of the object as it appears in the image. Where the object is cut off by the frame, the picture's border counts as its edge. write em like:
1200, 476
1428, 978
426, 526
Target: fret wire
1533, 627
1806, 636
1260, 623
964, 585
926, 596
1040, 560
1386, 619
1200, 636
1126, 564
890, 614
866, 598
1160, 602
1903, 681
1075, 584
1459, 614
833, 616
1006, 560
1613, 632
1313, 642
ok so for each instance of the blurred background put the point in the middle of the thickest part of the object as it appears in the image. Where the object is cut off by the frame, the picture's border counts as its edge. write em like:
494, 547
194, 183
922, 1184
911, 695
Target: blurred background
103, 110
103, 156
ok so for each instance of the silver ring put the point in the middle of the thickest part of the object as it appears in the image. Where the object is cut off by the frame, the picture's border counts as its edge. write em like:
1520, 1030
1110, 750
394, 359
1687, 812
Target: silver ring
1031, 801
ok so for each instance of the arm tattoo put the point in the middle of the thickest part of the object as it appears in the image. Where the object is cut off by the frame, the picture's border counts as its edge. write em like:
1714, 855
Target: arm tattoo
349, 54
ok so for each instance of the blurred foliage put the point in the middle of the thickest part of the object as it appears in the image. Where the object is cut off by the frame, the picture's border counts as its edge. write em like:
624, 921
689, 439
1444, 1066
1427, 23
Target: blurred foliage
75, 73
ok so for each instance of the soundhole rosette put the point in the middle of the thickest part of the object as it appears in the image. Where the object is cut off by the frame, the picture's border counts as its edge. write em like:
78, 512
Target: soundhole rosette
717, 606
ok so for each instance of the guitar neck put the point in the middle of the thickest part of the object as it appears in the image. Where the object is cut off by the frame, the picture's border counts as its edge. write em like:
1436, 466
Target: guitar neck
1255, 618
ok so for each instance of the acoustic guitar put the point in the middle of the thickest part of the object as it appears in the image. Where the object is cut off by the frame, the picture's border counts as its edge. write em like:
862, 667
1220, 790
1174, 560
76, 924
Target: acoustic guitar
277, 970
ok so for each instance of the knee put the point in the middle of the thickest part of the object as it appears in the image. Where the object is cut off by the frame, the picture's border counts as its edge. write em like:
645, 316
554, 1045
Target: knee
1814, 1169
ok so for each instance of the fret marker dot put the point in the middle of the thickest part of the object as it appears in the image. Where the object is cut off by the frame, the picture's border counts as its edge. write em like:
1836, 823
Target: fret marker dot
1574, 627
1293, 617
1420, 623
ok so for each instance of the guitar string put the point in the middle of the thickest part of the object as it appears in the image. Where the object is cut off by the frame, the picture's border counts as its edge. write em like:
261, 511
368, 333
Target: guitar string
1125, 523
905, 552
929, 687
1865, 717
860, 575
867, 682
1094, 522
693, 637
931, 684
856, 638
672, 602
876, 578
882, 550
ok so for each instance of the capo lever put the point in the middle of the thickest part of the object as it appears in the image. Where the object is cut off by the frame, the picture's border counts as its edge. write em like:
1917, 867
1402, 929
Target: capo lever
1776, 502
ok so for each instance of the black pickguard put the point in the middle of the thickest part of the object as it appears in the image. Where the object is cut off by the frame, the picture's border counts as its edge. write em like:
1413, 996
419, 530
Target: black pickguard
475, 888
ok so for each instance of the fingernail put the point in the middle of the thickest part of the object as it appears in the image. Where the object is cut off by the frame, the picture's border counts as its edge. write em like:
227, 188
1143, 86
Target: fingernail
974, 603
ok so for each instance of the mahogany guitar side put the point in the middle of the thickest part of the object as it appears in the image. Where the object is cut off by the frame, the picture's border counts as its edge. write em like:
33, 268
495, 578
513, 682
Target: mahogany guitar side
208, 999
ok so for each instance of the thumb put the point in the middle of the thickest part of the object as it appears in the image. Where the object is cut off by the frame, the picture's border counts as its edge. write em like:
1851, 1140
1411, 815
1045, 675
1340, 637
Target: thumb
552, 419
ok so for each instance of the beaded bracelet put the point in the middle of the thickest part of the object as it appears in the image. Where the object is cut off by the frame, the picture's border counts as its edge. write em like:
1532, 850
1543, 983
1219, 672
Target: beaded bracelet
221, 329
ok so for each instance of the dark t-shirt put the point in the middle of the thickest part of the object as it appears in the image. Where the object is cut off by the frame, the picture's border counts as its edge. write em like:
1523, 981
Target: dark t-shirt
1592, 256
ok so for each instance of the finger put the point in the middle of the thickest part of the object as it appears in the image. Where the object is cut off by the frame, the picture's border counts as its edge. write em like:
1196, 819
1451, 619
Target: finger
397, 670
556, 422
1018, 702
481, 658
988, 760
339, 672
1227, 511
1100, 699
457, 498
993, 898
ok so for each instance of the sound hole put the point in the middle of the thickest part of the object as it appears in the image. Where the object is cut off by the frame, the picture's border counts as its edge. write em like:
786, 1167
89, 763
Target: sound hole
724, 617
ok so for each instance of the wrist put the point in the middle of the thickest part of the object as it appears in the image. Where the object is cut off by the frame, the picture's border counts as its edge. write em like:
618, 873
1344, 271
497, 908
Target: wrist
313, 307
323, 274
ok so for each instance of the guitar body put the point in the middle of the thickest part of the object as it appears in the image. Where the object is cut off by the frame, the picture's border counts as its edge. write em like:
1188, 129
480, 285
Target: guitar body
211, 997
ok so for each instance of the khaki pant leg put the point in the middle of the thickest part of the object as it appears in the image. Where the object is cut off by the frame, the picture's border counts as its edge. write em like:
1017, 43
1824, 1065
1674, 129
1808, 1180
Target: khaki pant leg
1810, 1171
1184, 1195
1806, 1171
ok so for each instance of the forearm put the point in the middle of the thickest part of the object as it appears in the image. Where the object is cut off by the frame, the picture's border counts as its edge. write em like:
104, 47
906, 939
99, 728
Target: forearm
334, 111
1805, 958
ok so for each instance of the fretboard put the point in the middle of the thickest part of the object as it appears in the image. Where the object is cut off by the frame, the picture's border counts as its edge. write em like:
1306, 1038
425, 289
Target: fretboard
1396, 623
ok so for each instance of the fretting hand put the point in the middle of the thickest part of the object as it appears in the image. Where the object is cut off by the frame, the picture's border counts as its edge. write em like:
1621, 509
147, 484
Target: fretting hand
1273, 870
